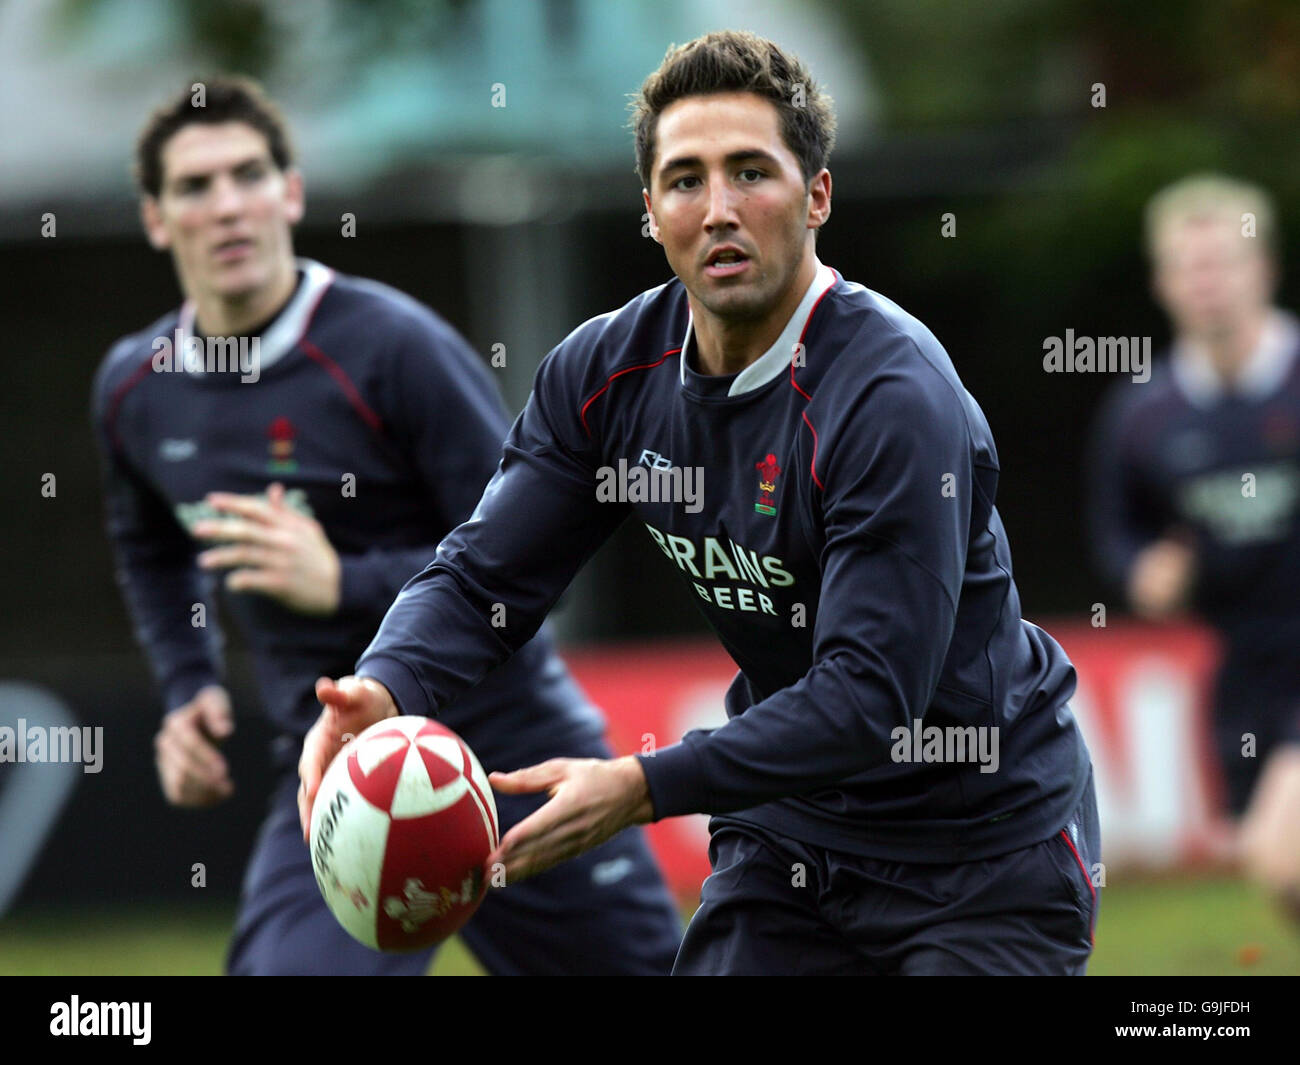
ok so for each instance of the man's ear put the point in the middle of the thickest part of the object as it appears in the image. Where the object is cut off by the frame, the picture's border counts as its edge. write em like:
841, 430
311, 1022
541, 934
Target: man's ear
650, 217
819, 199
295, 201
151, 219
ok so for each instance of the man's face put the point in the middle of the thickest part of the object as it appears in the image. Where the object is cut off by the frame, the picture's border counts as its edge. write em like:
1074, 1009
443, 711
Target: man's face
224, 210
1209, 277
729, 204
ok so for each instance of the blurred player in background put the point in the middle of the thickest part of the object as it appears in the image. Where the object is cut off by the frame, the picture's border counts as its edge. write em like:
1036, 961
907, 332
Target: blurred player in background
1195, 490
312, 439
844, 546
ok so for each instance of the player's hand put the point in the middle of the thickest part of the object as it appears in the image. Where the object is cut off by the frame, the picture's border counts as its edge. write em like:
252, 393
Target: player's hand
190, 767
352, 705
1160, 581
591, 800
271, 549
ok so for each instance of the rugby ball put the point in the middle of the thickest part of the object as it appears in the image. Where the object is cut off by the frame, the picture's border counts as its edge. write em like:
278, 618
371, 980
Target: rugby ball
400, 833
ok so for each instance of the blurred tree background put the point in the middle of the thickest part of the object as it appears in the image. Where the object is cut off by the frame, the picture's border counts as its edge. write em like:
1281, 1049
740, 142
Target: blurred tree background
1040, 126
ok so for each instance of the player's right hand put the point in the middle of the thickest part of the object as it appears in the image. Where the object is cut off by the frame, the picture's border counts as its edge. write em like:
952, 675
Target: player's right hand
190, 766
352, 705
1160, 581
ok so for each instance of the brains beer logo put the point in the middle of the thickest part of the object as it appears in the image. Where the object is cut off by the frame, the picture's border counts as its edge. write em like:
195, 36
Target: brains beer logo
768, 471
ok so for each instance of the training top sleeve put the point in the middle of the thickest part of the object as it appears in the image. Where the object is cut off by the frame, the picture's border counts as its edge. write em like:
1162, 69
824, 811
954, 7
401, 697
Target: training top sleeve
155, 567
440, 407
896, 465
1122, 511
495, 577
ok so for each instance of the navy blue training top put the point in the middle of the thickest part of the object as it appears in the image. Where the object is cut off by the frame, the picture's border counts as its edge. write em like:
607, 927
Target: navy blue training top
1181, 455
384, 425
844, 547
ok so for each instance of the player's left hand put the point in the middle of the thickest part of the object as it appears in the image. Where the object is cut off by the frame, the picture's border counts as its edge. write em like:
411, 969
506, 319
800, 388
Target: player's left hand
272, 550
591, 800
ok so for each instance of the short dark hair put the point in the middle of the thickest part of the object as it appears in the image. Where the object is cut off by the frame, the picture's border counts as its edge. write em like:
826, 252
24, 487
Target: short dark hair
222, 99
736, 61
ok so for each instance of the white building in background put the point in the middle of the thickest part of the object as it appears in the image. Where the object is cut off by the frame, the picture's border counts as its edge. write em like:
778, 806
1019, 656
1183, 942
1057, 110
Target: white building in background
461, 82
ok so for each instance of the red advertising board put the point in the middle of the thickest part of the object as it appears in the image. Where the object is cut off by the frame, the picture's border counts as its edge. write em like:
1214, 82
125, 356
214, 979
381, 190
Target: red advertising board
652, 694
1142, 704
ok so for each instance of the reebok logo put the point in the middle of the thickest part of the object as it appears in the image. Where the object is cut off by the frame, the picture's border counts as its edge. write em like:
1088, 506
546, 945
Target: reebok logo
177, 450
654, 460
610, 872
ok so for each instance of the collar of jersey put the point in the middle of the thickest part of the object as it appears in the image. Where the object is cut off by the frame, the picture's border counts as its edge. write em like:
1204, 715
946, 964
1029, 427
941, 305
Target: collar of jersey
1265, 369
288, 327
773, 362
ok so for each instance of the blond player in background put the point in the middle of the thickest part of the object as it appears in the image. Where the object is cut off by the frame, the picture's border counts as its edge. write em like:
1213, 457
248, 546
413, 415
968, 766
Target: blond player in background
1195, 490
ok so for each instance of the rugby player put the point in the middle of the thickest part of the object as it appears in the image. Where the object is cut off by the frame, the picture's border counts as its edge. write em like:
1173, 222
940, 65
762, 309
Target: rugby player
315, 478
845, 548
1195, 489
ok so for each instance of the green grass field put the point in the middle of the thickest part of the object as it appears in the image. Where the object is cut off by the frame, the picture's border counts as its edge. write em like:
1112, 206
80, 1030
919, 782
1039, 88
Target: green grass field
1152, 928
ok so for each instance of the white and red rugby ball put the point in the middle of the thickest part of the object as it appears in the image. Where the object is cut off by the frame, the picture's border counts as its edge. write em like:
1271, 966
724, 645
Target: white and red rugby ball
400, 833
